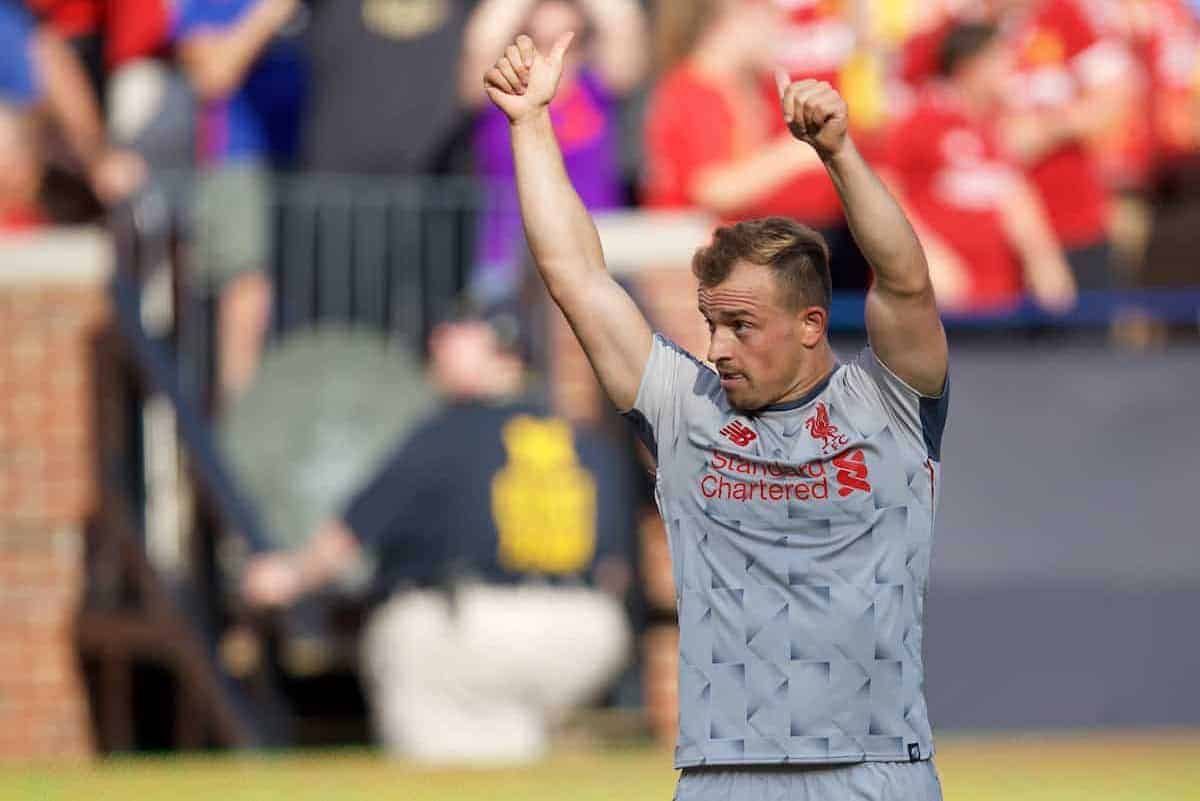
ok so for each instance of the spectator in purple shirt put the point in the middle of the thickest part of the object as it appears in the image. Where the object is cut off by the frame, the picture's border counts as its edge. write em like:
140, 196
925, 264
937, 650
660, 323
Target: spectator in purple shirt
244, 62
609, 64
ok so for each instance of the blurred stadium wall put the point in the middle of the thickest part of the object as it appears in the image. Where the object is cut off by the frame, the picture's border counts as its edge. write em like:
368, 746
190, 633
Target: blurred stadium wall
52, 299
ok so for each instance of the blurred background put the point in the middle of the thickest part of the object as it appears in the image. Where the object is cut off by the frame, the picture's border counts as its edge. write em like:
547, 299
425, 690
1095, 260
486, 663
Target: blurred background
295, 455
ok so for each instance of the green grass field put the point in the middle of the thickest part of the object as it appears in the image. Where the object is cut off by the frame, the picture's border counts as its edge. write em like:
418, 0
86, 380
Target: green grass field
1114, 766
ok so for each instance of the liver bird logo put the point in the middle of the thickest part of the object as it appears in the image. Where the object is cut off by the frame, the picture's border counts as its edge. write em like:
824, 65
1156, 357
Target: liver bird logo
819, 427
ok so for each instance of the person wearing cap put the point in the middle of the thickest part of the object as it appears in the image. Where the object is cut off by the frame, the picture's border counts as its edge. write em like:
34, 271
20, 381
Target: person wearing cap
498, 533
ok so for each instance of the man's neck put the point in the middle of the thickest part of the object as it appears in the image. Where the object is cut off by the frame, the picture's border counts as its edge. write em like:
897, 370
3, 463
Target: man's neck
823, 365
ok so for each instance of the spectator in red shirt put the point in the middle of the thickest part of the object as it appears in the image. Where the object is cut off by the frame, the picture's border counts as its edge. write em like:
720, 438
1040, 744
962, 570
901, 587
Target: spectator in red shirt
714, 137
1160, 128
40, 72
1070, 87
984, 228
78, 22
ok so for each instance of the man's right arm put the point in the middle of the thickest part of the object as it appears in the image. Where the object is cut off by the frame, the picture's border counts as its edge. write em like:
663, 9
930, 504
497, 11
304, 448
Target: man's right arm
561, 235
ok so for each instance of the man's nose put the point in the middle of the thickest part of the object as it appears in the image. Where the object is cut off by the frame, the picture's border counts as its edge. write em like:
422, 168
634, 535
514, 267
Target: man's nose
718, 346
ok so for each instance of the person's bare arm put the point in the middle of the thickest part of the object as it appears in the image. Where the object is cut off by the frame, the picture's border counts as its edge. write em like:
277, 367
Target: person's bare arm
216, 61
725, 188
561, 234
280, 579
1047, 273
951, 284
69, 99
902, 319
72, 107
621, 48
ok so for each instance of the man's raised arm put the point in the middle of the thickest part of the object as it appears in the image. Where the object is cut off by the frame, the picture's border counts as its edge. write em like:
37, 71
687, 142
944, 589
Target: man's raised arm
902, 320
561, 234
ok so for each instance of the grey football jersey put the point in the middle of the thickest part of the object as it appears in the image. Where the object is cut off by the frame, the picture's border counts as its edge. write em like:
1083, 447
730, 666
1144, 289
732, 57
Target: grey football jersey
800, 539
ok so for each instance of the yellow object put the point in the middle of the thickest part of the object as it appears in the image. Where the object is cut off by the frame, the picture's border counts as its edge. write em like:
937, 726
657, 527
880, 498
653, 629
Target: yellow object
862, 84
543, 501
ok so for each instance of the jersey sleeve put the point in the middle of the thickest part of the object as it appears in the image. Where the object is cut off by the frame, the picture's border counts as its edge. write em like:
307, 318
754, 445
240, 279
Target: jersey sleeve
921, 418
670, 372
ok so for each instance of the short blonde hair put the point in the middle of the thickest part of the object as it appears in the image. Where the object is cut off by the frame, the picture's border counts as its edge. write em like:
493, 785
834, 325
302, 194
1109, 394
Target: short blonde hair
796, 254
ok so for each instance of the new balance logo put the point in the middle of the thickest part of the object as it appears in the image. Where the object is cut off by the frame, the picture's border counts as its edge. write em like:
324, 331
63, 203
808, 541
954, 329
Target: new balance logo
739, 434
852, 472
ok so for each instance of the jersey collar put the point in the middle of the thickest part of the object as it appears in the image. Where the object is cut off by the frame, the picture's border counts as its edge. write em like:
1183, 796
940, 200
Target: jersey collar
806, 398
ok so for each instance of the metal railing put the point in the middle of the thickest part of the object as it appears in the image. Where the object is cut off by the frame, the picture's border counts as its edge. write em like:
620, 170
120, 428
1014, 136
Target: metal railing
391, 256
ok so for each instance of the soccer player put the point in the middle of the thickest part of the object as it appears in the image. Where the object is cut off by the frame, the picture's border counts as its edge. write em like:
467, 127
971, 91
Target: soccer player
798, 492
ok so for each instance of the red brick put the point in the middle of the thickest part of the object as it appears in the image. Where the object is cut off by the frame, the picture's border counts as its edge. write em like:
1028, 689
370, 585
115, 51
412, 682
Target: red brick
47, 482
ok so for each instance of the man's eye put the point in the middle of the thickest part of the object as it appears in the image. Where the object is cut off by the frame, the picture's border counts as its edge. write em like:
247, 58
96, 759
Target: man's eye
741, 325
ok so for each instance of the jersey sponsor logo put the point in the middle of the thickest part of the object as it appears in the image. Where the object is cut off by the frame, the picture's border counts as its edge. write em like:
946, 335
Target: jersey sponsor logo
804, 482
739, 433
852, 473
734, 478
820, 428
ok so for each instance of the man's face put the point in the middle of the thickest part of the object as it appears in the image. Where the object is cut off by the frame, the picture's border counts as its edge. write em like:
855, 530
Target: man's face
550, 19
467, 360
760, 347
988, 74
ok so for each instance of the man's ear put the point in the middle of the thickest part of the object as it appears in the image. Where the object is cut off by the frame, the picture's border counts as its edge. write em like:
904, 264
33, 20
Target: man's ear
814, 323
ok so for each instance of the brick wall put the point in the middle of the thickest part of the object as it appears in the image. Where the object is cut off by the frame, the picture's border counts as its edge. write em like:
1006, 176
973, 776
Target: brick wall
51, 301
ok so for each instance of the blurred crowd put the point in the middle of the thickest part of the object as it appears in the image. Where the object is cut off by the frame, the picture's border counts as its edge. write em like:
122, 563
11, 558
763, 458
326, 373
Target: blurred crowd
1014, 130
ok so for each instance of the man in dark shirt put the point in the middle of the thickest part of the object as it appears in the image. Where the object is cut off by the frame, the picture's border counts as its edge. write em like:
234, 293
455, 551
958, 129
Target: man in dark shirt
497, 534
362, 112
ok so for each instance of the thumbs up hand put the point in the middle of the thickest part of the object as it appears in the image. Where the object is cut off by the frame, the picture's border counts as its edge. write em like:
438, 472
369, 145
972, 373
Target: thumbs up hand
815, 113
524, 81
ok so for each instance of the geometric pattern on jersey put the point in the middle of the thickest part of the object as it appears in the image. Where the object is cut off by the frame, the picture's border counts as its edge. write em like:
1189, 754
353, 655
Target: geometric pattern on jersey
800, 542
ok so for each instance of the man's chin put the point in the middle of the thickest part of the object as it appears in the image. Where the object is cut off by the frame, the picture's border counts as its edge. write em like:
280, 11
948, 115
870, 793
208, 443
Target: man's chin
741, 401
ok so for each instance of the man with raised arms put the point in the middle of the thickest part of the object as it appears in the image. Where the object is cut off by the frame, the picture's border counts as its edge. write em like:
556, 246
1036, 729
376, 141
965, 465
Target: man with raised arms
800, 610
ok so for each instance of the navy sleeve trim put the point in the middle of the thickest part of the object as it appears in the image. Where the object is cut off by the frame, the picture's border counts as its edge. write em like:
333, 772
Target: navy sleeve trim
933, 421
643, 429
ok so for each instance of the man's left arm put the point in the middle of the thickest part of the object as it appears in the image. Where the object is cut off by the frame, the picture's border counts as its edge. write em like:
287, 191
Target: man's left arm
280, 578
902, 319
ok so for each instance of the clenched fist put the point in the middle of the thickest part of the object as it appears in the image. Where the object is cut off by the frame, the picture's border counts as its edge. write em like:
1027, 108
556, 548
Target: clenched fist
524, 81
815, 113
